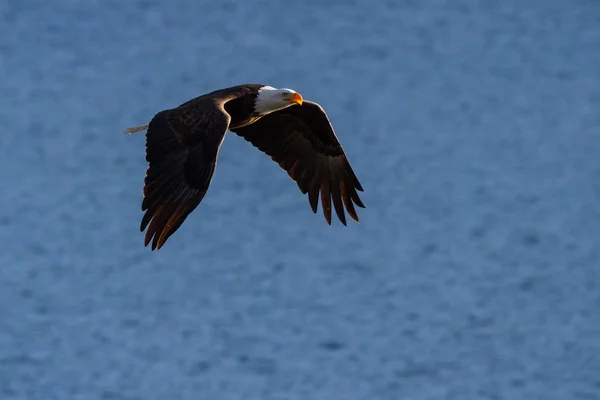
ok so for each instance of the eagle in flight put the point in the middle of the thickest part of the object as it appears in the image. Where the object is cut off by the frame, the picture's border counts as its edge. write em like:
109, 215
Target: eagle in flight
182, 146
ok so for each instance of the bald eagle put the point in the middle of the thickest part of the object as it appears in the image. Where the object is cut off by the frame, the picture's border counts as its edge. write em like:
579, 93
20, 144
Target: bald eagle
182, 146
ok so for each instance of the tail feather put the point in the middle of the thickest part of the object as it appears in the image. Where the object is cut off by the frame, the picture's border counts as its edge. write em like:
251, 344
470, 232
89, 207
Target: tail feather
135, 129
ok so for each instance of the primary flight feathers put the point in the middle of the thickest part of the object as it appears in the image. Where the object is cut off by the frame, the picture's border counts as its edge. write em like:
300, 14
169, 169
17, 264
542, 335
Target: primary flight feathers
182, 146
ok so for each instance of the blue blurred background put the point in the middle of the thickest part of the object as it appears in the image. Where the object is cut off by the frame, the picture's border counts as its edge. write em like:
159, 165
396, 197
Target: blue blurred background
474, 274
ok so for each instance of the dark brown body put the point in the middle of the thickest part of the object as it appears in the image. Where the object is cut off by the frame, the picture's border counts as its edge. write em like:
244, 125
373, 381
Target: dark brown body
182, 146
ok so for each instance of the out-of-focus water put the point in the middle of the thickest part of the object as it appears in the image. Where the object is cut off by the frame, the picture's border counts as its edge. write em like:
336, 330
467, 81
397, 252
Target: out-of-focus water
474, 274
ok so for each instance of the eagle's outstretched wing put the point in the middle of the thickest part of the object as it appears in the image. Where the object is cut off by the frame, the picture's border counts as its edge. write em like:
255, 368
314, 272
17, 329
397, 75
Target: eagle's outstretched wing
302, 141
182, 146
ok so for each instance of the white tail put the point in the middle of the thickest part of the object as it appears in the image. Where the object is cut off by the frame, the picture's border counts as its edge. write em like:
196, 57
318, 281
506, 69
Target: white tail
135, 129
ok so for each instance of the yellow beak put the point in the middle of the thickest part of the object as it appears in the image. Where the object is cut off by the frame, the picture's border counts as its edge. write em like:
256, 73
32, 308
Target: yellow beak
296, 98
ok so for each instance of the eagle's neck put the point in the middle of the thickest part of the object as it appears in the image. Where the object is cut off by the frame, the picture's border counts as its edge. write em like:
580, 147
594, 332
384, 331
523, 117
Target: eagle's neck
242, 110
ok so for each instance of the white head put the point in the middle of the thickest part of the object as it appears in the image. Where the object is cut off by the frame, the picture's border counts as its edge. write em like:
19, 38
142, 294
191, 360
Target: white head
270, 99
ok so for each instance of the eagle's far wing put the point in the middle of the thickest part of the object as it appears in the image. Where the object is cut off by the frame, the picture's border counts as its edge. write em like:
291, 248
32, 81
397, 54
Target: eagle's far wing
302, 141
182, 146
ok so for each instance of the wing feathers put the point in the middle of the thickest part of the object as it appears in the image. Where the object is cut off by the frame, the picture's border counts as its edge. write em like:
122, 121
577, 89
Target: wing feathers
347, 201
356, 199
336, 176
301, 140
313, 195
337, 202
182, 146
326, 201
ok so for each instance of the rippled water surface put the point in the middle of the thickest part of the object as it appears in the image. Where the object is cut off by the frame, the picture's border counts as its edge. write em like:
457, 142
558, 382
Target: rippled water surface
474, 274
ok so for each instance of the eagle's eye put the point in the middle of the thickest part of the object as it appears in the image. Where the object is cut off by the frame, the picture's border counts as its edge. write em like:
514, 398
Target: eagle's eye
285, 94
